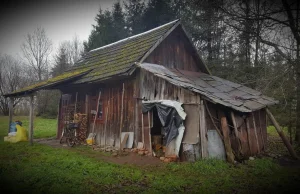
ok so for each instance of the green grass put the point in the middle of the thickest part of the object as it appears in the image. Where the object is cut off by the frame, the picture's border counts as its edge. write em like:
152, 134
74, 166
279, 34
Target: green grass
272, 131
44, 169
42, 128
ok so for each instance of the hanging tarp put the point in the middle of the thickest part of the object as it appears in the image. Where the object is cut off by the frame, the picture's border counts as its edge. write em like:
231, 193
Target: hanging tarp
171, 116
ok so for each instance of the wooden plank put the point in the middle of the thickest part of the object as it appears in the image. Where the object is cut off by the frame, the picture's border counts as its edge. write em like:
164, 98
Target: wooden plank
192, 127
143, 134
58, 131
281, 134
31, 120
227, 144
122, 107
203, 139
105, 126
158, 42
11, 111
124, 140
234, 124
249, 136
150, 144
255, 132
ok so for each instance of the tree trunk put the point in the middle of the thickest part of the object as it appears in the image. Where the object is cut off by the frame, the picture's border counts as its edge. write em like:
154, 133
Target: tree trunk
297, 68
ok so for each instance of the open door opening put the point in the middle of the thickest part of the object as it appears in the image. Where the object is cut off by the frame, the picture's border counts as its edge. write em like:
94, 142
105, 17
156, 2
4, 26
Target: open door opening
158, 141
165, 119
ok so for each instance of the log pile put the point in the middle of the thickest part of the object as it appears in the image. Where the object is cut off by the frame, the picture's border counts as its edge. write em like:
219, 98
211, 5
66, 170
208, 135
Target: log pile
83, 122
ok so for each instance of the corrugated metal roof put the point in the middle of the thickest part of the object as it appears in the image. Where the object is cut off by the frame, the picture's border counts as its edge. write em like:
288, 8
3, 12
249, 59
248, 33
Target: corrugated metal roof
217, 90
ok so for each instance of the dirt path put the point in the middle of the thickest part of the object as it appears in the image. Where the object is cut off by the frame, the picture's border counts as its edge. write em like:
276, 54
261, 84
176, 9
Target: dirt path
129, 158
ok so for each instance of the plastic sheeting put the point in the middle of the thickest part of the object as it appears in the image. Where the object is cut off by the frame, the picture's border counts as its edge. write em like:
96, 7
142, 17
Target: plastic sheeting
171, 116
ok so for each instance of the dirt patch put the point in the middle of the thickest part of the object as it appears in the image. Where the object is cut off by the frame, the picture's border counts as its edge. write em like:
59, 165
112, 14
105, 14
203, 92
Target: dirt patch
128, 158
278, 151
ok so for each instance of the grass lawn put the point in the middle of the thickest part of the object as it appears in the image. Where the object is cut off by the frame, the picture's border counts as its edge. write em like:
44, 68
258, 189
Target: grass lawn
43, 128
44, 169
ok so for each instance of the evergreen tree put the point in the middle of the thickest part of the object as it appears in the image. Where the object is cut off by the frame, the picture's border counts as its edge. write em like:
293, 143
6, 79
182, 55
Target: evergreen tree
134, 11
158, 13
61, 62
120, 30
102, 33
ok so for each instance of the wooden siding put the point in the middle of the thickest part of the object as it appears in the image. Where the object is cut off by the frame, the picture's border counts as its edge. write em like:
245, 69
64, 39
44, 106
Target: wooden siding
175, 52
111, 96
155, 88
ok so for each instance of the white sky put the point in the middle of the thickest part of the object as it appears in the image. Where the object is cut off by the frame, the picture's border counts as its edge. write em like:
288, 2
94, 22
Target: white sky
60, 19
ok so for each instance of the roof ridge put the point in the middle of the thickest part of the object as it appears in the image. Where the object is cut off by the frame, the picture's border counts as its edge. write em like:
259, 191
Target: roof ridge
134, 36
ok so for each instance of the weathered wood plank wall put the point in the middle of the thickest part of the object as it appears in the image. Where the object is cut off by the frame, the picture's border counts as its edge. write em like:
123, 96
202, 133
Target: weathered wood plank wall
111, 96
175, 52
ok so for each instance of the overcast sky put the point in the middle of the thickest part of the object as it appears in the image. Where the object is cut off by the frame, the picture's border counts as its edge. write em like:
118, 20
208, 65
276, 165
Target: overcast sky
61, 20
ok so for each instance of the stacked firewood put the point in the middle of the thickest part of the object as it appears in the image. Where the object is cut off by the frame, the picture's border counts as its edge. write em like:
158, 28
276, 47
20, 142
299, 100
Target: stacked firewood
81, 133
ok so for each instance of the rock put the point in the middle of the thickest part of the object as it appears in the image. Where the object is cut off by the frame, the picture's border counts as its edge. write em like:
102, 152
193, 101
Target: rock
140, 145
162, 158
167, 160
141, 153
115, 154
251, 158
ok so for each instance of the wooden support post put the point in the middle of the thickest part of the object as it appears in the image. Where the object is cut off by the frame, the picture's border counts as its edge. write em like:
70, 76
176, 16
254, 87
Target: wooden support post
58, 118
150, 146
75, 108
248, 135
255, 131
203, 131
234, 124
87, 104
11, 111
106, 115
143, 135
97, 109
122, 106
225, 129
31, 120
281, 134
236, 132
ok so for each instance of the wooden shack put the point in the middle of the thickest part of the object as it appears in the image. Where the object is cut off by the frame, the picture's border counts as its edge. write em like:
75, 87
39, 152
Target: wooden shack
223, 119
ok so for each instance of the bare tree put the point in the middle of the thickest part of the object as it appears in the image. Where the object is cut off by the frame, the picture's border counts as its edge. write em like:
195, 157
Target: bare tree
74, 49
12, 78
36, 50
277, 22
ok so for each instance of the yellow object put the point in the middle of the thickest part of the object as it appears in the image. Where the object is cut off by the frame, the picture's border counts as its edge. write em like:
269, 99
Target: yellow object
90, 141
20, 136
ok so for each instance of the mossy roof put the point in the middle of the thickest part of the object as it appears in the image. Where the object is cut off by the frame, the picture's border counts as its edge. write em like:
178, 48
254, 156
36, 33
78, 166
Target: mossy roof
105, 62
118, 58
50, 83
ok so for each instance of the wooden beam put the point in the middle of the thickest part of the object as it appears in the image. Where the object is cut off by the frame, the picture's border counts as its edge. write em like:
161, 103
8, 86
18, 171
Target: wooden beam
236, 131
106, 115
150, 146
234, 124
31, 120
58, 118
11, 111
143, 135
255, 131
122, 107
281, 134
203, 138
227, 143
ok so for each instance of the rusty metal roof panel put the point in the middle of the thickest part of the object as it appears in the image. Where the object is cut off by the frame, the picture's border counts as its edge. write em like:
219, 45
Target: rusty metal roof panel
215, 89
